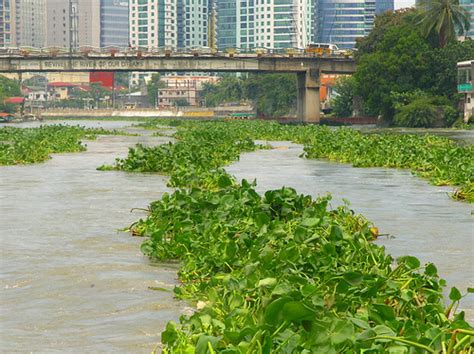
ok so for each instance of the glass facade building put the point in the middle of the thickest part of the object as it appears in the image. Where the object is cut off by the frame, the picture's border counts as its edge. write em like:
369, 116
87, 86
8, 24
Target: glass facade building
114, 23
169, 23
342, 22
274, 24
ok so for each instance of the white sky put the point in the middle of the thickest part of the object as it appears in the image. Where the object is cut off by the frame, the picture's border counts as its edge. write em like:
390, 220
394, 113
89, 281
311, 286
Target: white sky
404, 3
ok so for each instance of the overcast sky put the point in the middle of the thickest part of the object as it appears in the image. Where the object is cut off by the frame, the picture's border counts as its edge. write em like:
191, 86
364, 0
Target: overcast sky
404, 3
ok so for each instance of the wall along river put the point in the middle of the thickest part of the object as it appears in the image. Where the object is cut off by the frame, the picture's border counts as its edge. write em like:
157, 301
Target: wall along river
72, 283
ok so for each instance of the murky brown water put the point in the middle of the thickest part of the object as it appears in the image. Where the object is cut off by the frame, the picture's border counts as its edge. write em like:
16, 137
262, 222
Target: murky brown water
71, 283
422, 218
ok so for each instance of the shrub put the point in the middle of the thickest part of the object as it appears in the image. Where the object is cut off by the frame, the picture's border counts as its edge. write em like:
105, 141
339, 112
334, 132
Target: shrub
450, 115
421, 112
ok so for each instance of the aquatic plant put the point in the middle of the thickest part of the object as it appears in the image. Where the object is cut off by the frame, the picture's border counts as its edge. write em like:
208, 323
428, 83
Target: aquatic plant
281, 272
32, 145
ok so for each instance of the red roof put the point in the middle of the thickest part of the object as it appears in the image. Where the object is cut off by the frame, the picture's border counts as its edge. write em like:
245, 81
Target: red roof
14, 100
4, 114
62, 84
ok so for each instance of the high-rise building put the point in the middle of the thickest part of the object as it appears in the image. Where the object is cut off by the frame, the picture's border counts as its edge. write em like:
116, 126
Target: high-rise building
30, 23
265, 23
7, 23
169, 23
469, 6
342, 22
87, 23
114, 23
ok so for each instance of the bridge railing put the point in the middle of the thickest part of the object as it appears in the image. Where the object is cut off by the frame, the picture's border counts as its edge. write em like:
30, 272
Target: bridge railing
107, 52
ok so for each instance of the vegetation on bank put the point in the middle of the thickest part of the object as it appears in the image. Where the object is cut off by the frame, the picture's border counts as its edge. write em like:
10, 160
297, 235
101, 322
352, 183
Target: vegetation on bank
403, 70
8, 88
32, 145
282, 272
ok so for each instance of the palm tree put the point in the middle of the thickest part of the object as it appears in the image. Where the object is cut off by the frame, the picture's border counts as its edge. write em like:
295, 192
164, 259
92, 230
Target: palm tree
443, 18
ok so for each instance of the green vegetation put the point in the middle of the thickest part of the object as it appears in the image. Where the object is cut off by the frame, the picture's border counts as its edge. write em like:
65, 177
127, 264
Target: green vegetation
8, 88
32, 145
153, 86
203, 144
396, 58
443, 19
343, 102
273, 95
281, 272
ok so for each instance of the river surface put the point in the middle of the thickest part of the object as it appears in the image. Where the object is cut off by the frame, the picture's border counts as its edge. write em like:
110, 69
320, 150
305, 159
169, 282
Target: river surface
421, 219
70, 282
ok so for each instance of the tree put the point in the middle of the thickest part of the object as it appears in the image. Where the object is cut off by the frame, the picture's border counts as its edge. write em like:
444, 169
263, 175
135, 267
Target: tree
442, 18
153, 86
396, 58
274, 95
342, 103
8, 88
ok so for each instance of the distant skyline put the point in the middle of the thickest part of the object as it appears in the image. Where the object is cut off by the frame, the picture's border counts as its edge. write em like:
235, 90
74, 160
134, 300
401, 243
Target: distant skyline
404, 3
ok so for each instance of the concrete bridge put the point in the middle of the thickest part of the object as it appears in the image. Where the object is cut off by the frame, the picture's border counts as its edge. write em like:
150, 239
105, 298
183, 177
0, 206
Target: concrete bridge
307, 67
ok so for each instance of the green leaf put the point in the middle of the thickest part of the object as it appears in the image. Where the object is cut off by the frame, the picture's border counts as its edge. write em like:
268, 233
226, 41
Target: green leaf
342, 332
353, 278
267, 282
470, 290
297, 311
455, 294
202, 346
310, 222
410, 261
273, 313
224, 181
431, 270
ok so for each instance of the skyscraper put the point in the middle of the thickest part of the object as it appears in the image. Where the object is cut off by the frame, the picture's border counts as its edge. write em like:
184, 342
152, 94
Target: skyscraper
114, 23
169, 23
342, 22
93, 23
30, 23
272, 24
7, 23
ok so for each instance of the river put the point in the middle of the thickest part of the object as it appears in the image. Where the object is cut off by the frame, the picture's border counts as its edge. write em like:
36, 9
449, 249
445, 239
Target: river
72, 283
421, 219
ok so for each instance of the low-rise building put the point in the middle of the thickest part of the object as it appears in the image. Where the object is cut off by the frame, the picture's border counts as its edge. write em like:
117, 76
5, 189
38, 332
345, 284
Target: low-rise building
183, 90
465, 87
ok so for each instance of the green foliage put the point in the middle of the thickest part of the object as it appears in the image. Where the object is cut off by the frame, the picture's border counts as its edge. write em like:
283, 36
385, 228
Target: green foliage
419, 113
443, 18
32, 145
228, 89
342, 104
8, 88
153, 86
204, 146
281, 272
273, 95
397, 58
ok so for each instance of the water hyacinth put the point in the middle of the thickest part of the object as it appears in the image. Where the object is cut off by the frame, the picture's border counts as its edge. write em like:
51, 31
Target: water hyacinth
282, 272
33, 145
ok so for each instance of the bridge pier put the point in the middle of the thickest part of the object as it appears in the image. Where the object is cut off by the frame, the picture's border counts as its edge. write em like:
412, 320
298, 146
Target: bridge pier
308, 101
